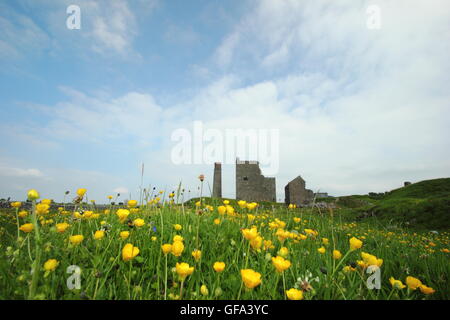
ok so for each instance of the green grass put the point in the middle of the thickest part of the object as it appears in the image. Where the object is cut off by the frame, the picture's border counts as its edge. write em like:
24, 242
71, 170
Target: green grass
422, 206
106, 276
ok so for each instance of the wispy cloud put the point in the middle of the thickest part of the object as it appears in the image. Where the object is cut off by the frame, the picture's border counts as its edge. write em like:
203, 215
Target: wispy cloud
20, 172
19, 35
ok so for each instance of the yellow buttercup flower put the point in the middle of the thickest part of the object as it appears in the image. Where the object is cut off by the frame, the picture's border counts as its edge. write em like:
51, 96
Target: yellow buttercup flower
226, 202
256, 243
87, 214
230, 210
325, 241
311, 232
216, 221
177, 248
355, 243
413, 283
250, 234
370, 260
197, 254
123, 214
347, 269
33, 194
46, 201
27, 227
129, 252
131, 203
250, 278
397, 284
51, 264
166, 248
124, 234
222, 210
242, 204
139, 222
42, 208
204, 290
76, 239
219, 266
183, 270
294, 294
16, 204
81, 192
61, 227
284, 252
99, 234
177, 238
321, 250
177, 227
337, 254
23, 214
280, 263
426, 290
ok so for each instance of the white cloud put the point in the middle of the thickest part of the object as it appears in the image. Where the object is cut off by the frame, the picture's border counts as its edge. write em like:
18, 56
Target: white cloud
113, 27
121, 190
20, 172
19, 35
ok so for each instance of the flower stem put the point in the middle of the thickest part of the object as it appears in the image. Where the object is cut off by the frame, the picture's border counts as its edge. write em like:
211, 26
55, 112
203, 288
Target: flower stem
165, 282
37, 259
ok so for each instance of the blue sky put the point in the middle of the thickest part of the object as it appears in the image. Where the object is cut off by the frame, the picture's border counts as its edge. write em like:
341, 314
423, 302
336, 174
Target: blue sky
358, 110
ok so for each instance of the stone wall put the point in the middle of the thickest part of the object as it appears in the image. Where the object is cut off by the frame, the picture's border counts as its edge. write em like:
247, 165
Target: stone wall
296, 193
251, 185
217, 182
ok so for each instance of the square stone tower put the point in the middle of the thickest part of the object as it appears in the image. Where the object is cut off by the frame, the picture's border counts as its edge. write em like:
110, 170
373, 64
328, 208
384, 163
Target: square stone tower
251, 185
217, 182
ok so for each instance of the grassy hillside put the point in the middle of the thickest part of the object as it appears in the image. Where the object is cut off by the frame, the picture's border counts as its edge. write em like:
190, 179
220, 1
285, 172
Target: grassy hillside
422, 205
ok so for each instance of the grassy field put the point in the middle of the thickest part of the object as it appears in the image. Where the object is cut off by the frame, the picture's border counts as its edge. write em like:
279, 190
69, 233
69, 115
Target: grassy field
299, 243
421, 206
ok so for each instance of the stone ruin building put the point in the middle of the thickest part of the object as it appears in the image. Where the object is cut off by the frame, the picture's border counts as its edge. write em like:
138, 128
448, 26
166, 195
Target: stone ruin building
251, 185
296, 192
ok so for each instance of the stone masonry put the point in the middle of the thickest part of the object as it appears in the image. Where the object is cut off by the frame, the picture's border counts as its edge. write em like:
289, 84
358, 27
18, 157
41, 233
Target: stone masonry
296, 192
251, 185
217, 182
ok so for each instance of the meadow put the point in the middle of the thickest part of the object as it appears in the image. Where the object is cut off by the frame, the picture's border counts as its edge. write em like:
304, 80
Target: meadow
161, 248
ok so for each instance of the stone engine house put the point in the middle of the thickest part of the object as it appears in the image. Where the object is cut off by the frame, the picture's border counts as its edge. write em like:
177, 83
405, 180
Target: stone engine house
251, 185
296, 192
